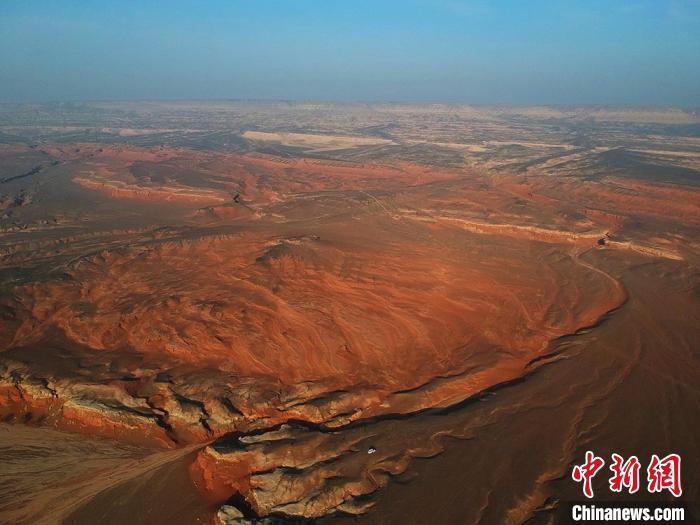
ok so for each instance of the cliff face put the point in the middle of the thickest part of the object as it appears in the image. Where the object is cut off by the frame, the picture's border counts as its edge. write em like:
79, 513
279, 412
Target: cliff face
288, 302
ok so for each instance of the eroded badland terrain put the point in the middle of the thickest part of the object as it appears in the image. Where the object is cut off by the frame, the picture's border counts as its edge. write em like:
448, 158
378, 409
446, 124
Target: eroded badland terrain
223, 312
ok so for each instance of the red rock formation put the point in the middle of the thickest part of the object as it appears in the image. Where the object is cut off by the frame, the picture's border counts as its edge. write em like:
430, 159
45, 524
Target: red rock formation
306, 292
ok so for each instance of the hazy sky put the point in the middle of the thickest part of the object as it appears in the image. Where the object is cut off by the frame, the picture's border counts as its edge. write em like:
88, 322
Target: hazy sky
509, 52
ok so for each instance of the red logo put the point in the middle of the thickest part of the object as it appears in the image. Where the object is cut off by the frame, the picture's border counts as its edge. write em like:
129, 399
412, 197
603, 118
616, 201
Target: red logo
662, 474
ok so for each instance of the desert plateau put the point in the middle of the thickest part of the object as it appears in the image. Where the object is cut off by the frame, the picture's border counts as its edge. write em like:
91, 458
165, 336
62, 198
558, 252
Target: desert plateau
289, 312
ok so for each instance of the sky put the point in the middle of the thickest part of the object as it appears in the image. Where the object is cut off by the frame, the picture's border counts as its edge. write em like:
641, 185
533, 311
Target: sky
459, 51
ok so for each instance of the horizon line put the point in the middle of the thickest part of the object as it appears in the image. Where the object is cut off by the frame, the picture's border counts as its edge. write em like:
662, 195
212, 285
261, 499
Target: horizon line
692, 108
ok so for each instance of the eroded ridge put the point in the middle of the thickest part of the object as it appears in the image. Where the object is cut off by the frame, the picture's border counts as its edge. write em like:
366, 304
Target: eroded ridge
271, 309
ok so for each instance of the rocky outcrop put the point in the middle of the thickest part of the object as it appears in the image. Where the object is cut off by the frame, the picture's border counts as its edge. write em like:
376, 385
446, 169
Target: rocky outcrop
288, 302
294, 472
122, 190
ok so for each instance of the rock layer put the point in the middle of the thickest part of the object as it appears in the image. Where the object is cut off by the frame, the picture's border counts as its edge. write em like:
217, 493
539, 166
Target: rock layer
288, 302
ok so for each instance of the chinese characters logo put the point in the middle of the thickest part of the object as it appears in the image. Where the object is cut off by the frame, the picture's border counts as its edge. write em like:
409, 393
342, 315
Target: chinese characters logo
662, 474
